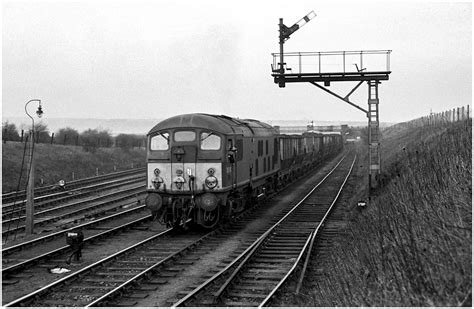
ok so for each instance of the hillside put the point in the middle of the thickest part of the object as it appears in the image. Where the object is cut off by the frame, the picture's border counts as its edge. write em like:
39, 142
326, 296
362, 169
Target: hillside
412, 245
55, 162
142, 126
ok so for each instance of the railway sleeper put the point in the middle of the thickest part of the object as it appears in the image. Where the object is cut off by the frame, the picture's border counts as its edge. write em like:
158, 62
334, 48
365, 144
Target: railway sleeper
137, 295
114, 274
125, 303
269, 271
286, 247
103, 280
253, 287
269, 260
241, 304
265, 276
245, 294
279, 254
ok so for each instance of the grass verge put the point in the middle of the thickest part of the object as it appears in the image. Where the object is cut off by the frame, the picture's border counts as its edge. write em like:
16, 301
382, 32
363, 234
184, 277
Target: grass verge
55, 162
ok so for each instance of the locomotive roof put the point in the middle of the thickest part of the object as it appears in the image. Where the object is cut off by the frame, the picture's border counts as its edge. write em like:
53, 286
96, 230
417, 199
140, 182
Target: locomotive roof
218, 123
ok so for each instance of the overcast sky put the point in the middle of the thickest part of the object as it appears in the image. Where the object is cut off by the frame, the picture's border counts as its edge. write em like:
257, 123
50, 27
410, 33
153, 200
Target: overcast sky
156, 59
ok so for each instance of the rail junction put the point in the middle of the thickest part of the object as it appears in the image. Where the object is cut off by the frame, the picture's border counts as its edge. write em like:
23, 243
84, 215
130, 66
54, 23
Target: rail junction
138, 274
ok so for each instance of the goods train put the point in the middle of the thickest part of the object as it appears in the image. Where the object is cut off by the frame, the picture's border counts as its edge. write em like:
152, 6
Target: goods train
205, 168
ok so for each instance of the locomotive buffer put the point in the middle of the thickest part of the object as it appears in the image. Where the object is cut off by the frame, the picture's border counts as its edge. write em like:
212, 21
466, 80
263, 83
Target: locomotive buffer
370, 66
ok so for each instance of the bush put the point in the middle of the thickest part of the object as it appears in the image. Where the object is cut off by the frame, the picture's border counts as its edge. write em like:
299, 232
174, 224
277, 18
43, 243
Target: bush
129, 141
9, 131
93, 139
55, 162
67, 136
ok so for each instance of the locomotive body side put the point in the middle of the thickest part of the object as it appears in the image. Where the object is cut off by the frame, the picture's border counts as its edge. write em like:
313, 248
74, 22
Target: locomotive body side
205, 168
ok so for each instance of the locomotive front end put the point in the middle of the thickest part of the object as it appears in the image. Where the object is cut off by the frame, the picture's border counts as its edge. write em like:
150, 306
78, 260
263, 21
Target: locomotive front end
184, 173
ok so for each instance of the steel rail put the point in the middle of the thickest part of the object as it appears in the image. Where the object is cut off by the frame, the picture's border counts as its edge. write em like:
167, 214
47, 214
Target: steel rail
14, 195
33, 295
41, 221
54, 198
8, 271
252, 247
101, 301
11, 249
236, 271
310, 239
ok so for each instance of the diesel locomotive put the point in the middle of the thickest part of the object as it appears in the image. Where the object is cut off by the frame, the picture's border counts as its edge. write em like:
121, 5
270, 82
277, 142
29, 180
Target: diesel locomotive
205, 168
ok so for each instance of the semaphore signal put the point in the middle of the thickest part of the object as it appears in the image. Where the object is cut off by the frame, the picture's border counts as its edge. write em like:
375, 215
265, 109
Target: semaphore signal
310, 67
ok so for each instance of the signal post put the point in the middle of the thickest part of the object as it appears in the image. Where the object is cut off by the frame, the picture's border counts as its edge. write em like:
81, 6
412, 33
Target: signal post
370, 66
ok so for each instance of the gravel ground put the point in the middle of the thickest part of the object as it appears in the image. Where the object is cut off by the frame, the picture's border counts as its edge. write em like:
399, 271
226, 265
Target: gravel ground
39, 276
355, 190
210, 262
207, 263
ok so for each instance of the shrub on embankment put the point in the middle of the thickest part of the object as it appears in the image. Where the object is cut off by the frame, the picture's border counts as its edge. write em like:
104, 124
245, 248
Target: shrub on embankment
55, 162
412, 245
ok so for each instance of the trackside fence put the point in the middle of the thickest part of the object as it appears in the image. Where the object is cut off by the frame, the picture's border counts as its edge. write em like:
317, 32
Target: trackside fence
454, 115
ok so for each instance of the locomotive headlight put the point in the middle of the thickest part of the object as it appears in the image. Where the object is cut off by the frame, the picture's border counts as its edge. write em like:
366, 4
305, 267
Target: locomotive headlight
211, 182
179, 181
157, 181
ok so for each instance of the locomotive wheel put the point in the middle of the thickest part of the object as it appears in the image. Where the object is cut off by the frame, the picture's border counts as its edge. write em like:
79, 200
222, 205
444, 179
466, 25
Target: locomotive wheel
209, 219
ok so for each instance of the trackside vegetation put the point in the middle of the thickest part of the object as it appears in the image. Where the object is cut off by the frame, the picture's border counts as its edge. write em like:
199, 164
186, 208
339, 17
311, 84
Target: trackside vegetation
56, 162
412, 246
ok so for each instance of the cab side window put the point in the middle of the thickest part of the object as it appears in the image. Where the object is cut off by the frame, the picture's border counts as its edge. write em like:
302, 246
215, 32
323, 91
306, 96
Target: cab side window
160, 141
209, 141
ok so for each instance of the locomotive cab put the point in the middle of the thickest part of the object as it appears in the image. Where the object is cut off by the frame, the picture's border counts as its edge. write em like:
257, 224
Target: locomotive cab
185, 175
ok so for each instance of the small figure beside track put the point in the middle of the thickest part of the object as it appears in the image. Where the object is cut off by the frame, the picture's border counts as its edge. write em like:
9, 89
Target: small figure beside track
76, 241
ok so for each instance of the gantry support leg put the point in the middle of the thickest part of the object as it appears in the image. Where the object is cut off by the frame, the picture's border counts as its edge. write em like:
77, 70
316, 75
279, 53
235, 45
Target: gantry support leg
374, 136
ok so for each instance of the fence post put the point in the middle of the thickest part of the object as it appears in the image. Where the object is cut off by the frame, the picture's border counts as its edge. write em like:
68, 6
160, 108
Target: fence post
52, 138
468, 112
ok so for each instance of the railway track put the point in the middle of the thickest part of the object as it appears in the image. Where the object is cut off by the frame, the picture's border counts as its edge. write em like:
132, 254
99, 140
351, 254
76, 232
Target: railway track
97, 279
107, 284
12, 210
21, 195
254, 277
91, 206
11, 269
